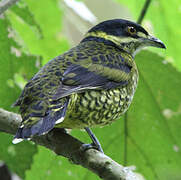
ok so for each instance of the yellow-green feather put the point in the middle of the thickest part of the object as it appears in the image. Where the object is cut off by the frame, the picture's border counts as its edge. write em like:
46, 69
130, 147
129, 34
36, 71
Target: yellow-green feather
91, 106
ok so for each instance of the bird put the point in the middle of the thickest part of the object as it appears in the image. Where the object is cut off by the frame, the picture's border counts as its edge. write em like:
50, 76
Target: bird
90, 85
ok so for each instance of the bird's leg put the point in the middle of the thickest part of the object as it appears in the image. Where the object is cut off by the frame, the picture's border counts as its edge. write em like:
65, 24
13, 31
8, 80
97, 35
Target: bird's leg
95, 142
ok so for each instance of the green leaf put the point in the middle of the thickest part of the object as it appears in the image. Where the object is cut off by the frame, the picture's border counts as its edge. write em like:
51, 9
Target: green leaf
48, 17
13, 62
22, 11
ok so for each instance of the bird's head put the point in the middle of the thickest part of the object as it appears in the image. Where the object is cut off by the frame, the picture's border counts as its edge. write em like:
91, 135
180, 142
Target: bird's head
126, 35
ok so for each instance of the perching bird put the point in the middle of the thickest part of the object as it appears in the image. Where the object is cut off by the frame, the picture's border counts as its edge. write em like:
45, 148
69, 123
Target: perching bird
90, 85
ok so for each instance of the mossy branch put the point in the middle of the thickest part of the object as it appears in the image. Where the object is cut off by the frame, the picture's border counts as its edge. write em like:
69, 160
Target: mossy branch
5, 4
65, 145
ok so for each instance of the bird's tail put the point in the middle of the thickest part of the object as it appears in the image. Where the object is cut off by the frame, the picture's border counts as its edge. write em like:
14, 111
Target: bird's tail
42, 126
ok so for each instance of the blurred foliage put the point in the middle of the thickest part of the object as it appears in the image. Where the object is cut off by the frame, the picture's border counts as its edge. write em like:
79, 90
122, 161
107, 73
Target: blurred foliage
21, 10
148, 137
53, 167
13, 62
47, 42
18, 158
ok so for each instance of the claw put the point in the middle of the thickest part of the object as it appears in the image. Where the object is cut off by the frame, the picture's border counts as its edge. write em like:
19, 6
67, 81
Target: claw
85, 147
95, 142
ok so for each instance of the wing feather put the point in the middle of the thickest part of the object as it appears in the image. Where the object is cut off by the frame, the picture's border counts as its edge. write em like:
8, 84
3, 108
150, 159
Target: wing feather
79, 77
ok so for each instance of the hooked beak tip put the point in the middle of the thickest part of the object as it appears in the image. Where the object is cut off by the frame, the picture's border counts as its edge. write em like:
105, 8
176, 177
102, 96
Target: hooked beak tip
163, 46
156, 42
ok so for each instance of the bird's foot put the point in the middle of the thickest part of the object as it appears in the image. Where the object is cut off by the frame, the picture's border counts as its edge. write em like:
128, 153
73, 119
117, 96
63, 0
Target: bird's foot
95, 142
98, 147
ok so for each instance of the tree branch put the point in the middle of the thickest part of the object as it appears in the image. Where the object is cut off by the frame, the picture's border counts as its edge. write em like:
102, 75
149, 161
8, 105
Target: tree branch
5, 4
4, 171
143, 11
65, 145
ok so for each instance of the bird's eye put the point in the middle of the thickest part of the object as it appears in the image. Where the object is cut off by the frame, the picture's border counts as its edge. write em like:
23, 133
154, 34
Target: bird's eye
131, 30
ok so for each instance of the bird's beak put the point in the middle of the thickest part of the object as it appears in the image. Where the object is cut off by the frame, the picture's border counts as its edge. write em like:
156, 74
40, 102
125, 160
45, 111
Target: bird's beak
152, 41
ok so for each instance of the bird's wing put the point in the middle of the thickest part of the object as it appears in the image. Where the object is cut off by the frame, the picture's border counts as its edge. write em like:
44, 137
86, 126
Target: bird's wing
44, 101
39, 112
87, 74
